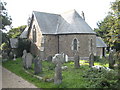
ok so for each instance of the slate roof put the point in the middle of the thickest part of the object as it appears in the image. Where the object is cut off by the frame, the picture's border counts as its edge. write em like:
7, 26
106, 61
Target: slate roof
66, 23
100, 42
24, 33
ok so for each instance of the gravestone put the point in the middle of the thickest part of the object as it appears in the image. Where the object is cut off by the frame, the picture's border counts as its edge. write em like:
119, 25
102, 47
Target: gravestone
111, 60
91, 60
49, 58
76, 61
58, 74
28, 61
58, 59
24, 58
38, 65
11, 55
14, 57
66, 58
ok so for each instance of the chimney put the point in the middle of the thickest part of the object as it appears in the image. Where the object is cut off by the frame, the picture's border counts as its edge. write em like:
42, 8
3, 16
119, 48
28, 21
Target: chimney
83, 15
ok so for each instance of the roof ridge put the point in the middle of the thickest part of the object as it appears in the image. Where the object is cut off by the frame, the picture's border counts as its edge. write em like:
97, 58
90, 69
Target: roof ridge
46, 13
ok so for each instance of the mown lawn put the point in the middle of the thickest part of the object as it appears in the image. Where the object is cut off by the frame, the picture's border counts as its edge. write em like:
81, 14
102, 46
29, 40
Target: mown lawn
84, 77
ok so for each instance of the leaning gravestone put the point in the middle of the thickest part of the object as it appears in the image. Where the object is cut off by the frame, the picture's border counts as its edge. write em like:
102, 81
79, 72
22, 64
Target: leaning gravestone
38, 65
76, 61
28, 59
24, 58
111, 60
58, 59
91, 60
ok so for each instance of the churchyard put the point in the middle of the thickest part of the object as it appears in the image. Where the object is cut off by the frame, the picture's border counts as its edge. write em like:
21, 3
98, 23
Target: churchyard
59, 73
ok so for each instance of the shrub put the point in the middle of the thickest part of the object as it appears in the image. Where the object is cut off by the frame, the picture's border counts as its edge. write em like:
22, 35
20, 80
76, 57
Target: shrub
23, 44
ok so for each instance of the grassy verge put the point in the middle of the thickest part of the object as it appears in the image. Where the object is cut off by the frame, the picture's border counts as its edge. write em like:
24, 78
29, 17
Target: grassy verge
83, 77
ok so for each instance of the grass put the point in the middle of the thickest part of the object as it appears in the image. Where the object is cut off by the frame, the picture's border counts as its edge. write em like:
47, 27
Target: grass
72, 78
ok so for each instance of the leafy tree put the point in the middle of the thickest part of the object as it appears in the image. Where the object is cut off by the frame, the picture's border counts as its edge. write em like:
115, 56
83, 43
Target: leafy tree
15, 32
109, 28
6, 20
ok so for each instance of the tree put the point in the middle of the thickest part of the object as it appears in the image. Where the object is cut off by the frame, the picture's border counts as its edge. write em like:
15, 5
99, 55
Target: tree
109, 28
6, 20
15, 32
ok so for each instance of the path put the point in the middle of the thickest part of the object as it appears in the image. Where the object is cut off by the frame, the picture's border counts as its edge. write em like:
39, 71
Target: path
10, 80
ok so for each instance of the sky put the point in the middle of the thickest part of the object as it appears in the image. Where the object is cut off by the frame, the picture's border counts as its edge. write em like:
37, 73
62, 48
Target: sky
94, 10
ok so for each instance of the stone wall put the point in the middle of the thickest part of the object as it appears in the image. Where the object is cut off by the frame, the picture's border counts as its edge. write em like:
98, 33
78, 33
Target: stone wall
50, 45
65, 44
35, 46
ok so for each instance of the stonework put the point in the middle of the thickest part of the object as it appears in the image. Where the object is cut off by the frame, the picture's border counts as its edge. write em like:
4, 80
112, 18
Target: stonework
51, 45
76, 61
58, 59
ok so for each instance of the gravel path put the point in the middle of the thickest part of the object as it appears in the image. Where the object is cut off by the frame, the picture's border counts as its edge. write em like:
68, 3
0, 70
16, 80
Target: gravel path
10, 80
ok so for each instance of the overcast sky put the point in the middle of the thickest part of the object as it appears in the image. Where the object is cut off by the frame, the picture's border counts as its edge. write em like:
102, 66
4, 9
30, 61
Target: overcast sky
20, 10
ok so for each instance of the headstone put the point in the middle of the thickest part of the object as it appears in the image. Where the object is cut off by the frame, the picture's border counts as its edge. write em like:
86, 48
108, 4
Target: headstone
58, 74
37, 65
76, 61
58, 59
14, 57
49, 58
111, 60
11, 55
24, 58
66, 58
28, 60
91, 60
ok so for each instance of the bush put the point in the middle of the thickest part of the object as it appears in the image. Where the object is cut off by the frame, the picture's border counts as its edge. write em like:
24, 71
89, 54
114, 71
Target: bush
23, 44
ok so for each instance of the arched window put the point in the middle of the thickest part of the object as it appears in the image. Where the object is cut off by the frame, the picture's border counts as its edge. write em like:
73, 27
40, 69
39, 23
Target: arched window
75, 44
34, 34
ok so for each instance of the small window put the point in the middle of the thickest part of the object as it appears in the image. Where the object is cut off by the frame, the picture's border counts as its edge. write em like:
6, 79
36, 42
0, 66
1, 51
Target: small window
34, 34
75, 44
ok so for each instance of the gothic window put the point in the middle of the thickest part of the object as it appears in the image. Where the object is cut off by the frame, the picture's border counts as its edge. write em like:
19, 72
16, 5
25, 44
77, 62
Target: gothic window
34, 34
75, 44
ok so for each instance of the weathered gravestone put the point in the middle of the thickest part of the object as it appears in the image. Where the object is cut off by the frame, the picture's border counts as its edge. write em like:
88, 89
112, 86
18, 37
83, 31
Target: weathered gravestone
24, 58
111, 60
28, 61
76, 61
37, 65
91, 60
58, 59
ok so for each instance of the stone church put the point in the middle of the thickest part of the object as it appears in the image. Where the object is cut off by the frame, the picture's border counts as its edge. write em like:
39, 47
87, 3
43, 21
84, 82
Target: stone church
66, 33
